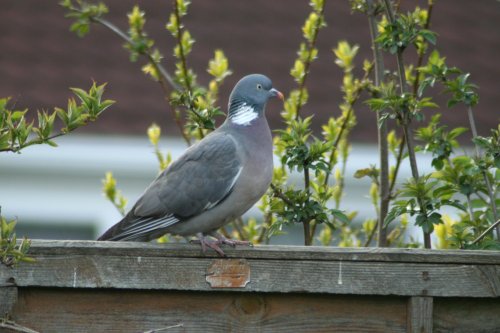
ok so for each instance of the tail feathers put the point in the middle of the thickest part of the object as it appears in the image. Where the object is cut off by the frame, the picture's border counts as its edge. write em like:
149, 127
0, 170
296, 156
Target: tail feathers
137, 228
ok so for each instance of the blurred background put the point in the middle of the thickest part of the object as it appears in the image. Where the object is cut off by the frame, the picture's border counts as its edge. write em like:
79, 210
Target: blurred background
56, 192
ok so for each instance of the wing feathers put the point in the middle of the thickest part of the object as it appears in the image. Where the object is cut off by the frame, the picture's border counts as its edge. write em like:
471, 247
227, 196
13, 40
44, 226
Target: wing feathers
143, 227
198, 181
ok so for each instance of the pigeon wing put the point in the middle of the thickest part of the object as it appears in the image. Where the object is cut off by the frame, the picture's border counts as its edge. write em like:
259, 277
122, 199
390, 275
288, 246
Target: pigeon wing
198, 181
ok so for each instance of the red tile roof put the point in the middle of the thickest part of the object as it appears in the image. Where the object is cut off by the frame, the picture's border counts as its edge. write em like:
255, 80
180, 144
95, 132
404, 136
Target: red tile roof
40, 58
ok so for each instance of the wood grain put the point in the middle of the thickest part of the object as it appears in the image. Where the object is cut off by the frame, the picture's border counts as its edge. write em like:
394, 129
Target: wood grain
420, 314
77, 310
462, 315
8, 290
8, 297
318, 253
82, 286
303, 276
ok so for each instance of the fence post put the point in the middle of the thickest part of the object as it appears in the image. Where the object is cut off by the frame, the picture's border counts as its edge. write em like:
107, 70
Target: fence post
419, 314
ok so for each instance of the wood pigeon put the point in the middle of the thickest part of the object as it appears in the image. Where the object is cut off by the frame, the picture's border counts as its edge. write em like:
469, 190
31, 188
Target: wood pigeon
215, 180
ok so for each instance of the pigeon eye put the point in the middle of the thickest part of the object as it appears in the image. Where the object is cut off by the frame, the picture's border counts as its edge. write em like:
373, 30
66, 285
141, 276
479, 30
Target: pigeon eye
259, 86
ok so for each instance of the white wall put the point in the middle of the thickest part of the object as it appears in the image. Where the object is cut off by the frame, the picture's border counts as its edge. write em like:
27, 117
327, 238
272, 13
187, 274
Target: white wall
61, 187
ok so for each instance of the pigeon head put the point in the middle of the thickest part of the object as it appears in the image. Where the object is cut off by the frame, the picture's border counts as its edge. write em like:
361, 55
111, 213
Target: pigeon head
249, 97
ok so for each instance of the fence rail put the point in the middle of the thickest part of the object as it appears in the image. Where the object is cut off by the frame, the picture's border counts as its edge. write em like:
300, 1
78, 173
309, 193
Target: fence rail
84, 286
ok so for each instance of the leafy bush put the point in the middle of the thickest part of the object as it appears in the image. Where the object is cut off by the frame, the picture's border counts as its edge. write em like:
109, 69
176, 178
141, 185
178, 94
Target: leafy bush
18, 132
468, 183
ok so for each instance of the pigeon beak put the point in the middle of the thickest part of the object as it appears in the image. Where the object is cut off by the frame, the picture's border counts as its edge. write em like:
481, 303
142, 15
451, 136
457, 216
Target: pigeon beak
276, 93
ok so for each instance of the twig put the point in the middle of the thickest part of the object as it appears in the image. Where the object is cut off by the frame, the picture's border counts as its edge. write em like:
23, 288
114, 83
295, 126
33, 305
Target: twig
406, 120
238, 225
15, 327
370, 237
267, 223
336, 143
184, 68
399, 159
164, 77
33, 142
307, 226
277, 192
306, 179
480, 196
164, 328
491, 227
485, 175
224, 232
181, 48
469, 210
343, 127
307, 233
384, 191
421, 51
164, 74
308, 61
473, 128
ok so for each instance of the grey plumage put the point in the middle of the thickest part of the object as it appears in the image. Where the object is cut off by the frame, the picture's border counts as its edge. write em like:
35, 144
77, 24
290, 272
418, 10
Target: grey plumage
214, 181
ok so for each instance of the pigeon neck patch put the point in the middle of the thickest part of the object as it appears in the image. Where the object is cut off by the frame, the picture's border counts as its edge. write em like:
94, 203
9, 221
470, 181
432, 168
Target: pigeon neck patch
243, 115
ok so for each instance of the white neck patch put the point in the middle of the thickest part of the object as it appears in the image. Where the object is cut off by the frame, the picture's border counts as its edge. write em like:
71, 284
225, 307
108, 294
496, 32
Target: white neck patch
243, 115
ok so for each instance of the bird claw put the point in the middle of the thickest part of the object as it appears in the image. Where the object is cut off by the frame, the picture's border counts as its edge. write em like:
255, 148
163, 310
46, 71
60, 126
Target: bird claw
233, 242
205, 243
215, 245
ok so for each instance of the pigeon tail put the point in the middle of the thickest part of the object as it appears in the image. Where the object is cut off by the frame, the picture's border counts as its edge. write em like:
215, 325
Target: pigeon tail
136, 228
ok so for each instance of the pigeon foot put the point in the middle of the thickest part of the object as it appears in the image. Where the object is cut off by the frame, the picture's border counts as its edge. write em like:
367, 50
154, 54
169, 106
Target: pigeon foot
205, 242
231, 242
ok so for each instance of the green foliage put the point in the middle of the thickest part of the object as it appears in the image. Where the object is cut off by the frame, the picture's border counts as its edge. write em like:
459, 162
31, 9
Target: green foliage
433, 196
439, 141
218, 67
460, 177
11, 251
345, 54
17, 132
462, 91
112, 194
183, 75
154, 132
452, 78
199, 100
401, 107
83, 15
139, 42
472, 179
466, 183
300, 151
491, 147
404, 31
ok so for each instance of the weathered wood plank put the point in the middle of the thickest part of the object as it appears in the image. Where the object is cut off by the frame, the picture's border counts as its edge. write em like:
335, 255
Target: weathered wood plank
50, 247
79, 311
8, 297
461, 315
134, 287
420, 314
285, 276
8, 289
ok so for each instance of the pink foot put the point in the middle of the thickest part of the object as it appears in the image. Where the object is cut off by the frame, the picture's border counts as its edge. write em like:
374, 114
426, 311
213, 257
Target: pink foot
231, 242
215, 244
207, 243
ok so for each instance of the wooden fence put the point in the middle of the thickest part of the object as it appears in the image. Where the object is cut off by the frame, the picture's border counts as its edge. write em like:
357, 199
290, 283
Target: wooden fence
83, 286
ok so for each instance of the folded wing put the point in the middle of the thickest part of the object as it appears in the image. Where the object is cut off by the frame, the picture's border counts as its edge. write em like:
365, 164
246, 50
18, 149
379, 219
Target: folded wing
198, 181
